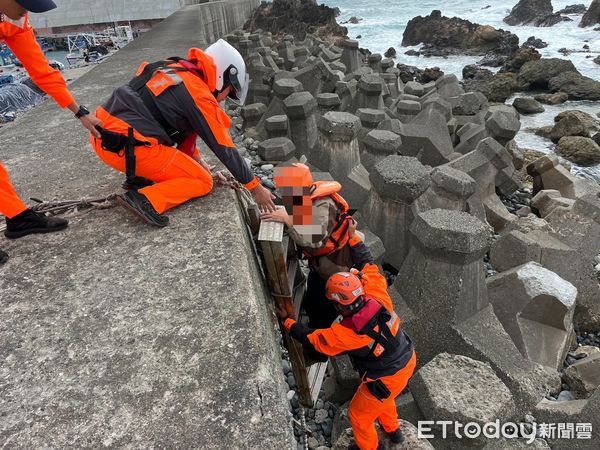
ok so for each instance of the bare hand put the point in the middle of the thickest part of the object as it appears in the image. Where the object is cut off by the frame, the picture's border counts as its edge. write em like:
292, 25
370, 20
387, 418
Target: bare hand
264, 198
279, 215
90, 122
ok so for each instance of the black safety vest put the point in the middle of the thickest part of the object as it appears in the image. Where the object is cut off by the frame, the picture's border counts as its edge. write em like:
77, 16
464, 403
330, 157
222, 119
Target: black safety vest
397, 349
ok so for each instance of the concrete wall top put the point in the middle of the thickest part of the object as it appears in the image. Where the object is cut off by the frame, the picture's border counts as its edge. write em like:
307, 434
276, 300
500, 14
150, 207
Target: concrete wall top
117, 334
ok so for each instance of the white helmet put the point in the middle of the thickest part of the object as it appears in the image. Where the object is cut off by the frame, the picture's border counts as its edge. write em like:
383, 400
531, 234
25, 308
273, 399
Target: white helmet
231, 69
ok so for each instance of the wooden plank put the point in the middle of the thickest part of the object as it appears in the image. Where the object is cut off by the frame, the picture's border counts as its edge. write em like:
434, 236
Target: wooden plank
281, 277
253, 218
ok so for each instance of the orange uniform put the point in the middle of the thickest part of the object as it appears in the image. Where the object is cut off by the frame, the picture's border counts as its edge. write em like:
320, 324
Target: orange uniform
167, 112
375, 361
19, 36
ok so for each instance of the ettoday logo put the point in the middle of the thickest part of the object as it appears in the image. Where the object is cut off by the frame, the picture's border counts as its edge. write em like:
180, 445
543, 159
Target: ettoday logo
427, 429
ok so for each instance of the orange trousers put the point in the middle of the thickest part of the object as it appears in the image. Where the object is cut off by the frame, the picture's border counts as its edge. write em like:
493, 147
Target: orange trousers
10, 203
178, 178
365, 408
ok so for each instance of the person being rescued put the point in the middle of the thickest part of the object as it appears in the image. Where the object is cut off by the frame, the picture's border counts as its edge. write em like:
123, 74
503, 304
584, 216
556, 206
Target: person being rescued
150, 127
317, 219
371, 334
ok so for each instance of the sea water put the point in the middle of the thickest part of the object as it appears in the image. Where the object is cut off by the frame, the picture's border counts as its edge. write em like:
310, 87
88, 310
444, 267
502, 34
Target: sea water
383, 23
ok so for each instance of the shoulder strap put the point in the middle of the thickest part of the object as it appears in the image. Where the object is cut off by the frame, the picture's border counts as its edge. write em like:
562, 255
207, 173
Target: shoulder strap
384, 336
138, 84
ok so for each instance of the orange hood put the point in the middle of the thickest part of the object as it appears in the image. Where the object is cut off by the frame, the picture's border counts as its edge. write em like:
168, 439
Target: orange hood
206, 64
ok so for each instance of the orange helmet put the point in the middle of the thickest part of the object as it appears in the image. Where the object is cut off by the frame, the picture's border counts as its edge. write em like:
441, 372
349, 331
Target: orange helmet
295, 175
344, 288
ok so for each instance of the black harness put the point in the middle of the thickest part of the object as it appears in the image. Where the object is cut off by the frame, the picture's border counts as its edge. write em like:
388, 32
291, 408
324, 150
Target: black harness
125, 145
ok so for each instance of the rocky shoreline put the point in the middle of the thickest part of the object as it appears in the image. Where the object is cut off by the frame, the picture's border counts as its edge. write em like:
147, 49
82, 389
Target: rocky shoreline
438, 182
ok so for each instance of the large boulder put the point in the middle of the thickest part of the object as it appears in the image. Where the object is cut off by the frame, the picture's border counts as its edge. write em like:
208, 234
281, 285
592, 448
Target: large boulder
573, 123
575, 85
529, 12
523, 55
537, 74
581, 150
527, 105
453, 35
496, 87
592, 16
297, 18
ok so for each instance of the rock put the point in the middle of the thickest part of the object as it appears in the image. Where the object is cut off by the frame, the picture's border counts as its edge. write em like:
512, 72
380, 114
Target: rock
534, 12
565, 396
496, 87
390, 53
552, 99
353, 20
573, 123
592, 16
321, 415
535, 307
313, 443
443, 35
583, 376
296, 18
580, 8
528, 11
587, 350
431, 74
522, 56
537, 74
533, 42
580, 150
576, 86
527, 105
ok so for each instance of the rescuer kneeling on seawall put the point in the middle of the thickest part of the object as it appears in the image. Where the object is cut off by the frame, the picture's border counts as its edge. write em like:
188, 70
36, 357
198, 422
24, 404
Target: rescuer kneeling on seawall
370, 333
151, 124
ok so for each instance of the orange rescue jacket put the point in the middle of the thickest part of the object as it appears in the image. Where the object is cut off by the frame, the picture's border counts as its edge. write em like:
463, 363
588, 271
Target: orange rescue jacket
339, 236
20, 38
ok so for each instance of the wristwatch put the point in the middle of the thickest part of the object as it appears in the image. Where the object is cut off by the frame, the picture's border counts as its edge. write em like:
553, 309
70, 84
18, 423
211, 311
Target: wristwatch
82, 111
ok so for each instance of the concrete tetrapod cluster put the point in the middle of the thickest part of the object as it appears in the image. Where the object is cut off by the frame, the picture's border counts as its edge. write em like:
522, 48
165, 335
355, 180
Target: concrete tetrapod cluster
425, 166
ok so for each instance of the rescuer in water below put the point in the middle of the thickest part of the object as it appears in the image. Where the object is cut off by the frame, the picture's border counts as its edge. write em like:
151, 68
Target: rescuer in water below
17, 33
151, 124
370, 333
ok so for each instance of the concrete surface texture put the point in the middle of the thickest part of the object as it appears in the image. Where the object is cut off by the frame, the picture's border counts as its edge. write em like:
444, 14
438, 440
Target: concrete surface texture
117, 334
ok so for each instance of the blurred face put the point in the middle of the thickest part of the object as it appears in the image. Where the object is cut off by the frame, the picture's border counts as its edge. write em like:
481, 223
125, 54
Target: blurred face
298, 204
12, 9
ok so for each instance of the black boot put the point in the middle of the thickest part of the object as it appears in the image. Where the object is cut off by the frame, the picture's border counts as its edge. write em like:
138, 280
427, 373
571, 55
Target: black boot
3, 257
396, 436
140, 205
29, 222
136, 183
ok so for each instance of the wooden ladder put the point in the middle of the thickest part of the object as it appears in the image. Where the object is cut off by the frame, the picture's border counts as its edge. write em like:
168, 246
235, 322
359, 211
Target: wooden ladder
287, 284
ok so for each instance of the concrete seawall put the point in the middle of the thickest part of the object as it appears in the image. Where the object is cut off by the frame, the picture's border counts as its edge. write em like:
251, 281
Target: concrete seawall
118, 334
